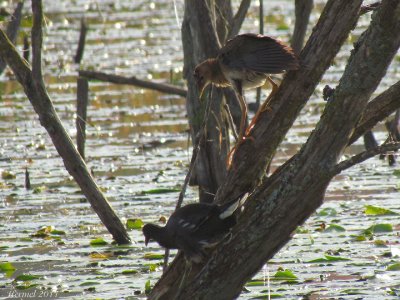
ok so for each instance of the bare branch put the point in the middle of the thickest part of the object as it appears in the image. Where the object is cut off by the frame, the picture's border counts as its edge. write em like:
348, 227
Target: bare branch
239, 18
377, 109
302, 10
37, 40
161, 87
41, 102
356, 159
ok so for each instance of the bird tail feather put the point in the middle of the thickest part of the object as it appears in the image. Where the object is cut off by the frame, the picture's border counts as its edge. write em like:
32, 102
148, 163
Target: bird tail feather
229, 208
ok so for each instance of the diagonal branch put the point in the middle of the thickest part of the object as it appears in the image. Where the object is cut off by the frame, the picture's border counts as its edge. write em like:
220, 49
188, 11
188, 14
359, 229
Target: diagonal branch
117, 79
239, 18
253, 156
250, 161
377, 110
303, 10
360, 157
41, 102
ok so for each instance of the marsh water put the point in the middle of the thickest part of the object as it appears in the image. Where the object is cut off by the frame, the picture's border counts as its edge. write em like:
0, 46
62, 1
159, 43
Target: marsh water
138, 150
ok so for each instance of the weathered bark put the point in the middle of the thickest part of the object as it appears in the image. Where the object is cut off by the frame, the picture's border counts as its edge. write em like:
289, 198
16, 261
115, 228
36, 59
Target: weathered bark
296, 190
264, 225
200, 41
302, 10
161, 87
32, 82
253, 156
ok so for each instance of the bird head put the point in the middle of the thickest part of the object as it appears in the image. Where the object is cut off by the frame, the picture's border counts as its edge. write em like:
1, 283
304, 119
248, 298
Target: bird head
202, 74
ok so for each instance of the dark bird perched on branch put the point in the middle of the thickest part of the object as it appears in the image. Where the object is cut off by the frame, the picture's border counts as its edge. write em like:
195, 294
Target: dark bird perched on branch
245, 63
195, 227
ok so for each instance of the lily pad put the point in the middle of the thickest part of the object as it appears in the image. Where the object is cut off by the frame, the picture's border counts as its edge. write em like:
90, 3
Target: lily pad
134, 224
335, 227
6, 267
153, 256
393, 267
159, 191
286, 275
377, 211
329, 258
379, 228
26, 277
98, 242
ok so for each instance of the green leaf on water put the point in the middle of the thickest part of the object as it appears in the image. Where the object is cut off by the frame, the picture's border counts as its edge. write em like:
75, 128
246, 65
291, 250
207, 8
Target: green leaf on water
151, 267
134, 224
25, 286
57, 232
375, 210
256, 282
267, 296
8, 175
6, 267
147, 287
329, 258
335, 227
153, 256
98, 242
379, 228
89, 283
26, 277
393, 267
39, 189
286, 275
159, 191
396, 173
380, 243
129, 272
328, 211
353, 292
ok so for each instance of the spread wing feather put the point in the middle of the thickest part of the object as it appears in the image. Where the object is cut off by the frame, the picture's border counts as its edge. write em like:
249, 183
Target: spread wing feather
258, 53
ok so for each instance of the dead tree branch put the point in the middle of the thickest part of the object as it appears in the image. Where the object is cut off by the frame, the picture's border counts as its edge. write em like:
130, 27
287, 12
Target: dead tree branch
263, 224
41, 102
303, 10
161, 87
360, 157
239, 18
377, 110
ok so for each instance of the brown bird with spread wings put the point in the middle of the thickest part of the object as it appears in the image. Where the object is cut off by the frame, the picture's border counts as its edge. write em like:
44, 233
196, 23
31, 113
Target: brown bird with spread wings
244, 63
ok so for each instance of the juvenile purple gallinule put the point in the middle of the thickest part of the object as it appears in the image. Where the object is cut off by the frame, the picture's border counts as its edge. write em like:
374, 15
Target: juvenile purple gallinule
195, 227
244, 63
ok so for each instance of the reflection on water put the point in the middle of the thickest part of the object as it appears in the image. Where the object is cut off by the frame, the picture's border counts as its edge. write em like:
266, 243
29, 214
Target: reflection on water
137, 141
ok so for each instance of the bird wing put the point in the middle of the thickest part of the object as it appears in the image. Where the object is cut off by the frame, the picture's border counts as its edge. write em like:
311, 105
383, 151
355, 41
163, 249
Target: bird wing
191, 217
258, 53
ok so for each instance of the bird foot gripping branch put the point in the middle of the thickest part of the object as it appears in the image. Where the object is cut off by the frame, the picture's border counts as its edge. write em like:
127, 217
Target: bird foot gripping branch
245, 63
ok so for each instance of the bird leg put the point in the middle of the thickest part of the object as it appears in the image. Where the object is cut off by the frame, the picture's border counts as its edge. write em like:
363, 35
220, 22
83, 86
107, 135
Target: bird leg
241, 133
263, 107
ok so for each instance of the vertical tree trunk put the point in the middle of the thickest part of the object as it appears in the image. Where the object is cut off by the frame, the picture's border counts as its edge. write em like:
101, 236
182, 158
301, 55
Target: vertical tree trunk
200, 41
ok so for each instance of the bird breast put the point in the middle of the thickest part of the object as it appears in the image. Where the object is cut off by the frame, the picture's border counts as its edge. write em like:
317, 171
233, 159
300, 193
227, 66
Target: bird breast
249, 79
